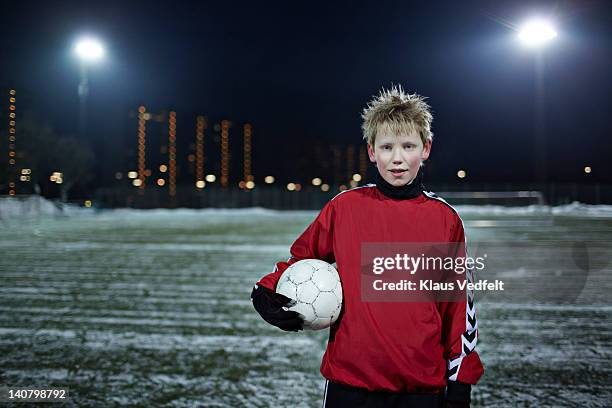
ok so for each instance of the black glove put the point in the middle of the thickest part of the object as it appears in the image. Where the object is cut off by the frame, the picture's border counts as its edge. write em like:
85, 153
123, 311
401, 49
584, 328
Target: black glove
270, 304
450, 404
457, 395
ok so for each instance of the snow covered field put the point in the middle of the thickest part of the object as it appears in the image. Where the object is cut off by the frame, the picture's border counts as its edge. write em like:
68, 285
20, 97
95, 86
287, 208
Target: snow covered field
152, 308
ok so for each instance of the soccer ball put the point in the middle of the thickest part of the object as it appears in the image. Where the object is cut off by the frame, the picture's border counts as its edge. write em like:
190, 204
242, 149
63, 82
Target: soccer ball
315, 288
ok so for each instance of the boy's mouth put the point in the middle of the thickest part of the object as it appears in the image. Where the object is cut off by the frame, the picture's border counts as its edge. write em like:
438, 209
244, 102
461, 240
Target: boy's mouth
398, 171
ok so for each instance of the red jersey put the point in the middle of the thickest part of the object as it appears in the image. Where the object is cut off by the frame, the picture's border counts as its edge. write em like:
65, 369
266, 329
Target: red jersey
390, 346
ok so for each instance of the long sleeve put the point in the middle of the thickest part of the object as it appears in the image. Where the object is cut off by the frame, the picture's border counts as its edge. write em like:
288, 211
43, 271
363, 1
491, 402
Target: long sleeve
460, 330
316, 242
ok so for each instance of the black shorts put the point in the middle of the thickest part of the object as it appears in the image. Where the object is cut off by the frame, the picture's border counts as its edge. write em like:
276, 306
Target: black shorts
341, 396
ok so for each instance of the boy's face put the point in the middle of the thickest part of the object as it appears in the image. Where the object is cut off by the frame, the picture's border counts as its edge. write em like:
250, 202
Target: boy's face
398, 157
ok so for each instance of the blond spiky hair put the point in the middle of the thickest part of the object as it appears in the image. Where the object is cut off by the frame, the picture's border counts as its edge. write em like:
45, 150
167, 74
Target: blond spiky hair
399, 111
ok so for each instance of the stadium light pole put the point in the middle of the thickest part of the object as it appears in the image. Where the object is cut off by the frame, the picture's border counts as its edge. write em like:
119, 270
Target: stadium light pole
535, 34
88, 50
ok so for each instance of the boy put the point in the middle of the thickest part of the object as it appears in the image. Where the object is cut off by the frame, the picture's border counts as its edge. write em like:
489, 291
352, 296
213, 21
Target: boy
386, 354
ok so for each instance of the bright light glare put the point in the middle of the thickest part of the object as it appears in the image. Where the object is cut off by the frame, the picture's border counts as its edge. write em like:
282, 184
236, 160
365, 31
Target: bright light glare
536, 32
89, 49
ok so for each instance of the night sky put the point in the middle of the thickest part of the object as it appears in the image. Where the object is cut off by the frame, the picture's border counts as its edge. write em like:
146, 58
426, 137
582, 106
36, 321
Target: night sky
303, 71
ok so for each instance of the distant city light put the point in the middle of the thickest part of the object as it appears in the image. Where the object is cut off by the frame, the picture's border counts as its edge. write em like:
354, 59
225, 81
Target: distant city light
56, 177
118, 175
536, 32
242, 184
87, 203
250, 184
353, 183
11, 145
161, 182
342, 187
211, 178
269, 179
461, 174
298, 186
26, 171
163, 168
137, 182
141, 154
89, 49
316, 181
324, 187
200, 184
357, 177
132, 174
587, 169
291, 186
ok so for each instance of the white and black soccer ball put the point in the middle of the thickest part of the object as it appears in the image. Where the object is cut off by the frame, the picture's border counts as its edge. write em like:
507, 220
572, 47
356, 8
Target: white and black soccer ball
315, 288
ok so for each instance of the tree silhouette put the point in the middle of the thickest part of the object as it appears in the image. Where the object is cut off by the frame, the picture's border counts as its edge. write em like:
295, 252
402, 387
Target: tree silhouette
42, 150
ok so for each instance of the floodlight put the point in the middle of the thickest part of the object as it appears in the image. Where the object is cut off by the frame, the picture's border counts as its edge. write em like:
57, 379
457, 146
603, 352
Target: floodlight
536, 33
89, 49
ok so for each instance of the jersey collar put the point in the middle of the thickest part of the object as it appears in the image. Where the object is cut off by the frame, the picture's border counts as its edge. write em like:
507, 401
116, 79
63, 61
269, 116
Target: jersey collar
412, 190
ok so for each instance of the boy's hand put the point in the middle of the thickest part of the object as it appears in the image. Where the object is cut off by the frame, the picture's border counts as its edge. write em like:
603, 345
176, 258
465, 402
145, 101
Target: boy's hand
450, 404
458, 395
270, 304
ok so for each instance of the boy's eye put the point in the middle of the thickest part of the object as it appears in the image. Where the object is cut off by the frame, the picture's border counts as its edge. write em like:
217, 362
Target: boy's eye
408, 146
386, 147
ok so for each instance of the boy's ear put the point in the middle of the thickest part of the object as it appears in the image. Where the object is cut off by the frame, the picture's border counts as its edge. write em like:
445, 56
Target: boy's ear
426, 150
371, 153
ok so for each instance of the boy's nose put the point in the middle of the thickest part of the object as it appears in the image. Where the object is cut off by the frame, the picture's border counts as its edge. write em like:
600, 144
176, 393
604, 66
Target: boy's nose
397, 157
